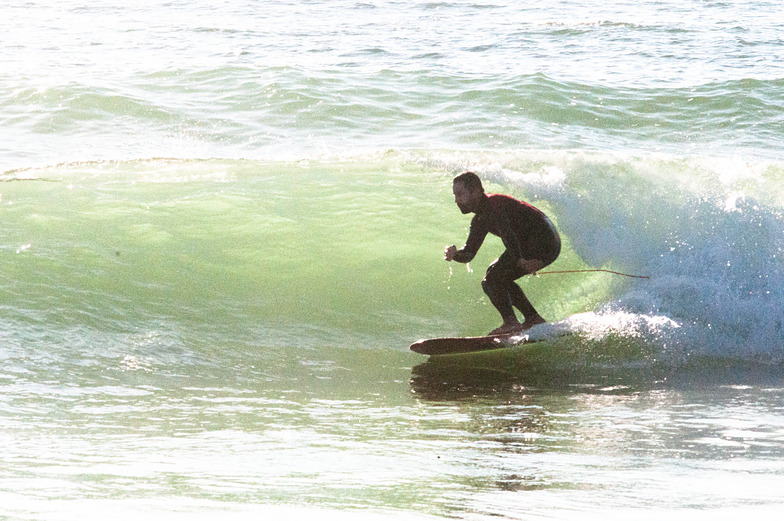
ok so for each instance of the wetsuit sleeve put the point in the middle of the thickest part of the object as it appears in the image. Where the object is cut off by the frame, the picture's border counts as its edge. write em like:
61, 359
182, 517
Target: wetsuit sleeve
476, 236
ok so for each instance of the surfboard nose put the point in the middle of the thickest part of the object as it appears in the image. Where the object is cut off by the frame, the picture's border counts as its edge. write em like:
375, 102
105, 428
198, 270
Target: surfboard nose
419, 347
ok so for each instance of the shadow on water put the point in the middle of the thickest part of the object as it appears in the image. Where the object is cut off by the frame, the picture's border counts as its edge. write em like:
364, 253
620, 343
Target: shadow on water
439, 379
573, 363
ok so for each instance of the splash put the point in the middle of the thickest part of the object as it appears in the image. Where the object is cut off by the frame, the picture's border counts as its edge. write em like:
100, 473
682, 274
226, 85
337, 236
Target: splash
709, 232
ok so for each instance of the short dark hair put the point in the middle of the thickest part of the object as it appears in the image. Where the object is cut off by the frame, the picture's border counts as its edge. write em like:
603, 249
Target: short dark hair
470, 180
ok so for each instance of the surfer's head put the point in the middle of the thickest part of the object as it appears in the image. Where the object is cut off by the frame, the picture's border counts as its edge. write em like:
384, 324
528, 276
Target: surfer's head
468, 191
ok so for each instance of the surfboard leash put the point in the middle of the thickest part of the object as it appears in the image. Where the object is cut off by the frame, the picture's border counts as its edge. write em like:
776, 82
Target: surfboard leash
593, 271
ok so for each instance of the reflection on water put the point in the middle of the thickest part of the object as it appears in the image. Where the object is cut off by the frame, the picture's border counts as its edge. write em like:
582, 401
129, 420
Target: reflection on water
690, 413
622, 438
349, 428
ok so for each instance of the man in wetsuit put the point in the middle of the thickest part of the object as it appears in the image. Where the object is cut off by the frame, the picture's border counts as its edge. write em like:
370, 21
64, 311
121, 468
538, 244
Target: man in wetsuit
531, 242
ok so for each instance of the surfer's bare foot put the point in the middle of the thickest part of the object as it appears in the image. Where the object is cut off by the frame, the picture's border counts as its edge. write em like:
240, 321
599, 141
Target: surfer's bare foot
533, 321
508, 329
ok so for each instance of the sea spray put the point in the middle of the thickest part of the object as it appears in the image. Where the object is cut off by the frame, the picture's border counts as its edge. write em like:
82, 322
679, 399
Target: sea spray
709, 233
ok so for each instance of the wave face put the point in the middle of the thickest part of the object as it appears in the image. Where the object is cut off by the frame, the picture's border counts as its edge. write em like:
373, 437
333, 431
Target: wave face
347, 252
305, 199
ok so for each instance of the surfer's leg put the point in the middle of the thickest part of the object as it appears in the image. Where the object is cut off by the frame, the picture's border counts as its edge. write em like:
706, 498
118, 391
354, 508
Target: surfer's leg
496, 285
521, 302
543, 249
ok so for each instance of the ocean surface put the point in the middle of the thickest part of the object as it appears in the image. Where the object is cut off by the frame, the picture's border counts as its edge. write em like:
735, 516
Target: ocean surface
222, 225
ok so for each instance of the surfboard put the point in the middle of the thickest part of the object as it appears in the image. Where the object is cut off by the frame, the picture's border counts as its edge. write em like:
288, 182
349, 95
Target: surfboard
455, 345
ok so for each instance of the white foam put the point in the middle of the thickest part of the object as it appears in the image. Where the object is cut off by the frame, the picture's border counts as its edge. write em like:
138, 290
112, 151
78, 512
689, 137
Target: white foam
709, 233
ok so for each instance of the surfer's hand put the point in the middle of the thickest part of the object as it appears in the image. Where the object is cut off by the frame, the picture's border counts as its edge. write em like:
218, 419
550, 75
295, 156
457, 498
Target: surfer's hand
530, 266
450, 252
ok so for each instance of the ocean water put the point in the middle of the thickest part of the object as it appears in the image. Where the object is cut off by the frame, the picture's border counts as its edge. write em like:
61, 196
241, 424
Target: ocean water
222, 225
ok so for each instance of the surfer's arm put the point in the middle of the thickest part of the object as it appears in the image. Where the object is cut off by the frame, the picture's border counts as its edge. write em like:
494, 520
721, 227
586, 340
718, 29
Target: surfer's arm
475, 239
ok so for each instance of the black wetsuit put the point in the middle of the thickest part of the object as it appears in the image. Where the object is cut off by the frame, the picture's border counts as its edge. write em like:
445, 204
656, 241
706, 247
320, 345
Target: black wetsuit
526, 232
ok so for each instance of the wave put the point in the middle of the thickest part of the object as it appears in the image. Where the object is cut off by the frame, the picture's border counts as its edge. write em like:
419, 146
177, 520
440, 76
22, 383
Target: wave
291, 112
708, 232
346, 252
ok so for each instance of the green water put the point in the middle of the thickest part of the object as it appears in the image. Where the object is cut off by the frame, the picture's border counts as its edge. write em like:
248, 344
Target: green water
348, 253
222, 224
214, 337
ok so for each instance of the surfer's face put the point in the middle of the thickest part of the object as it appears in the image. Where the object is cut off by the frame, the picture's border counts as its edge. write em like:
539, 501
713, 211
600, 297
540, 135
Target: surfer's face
465, 199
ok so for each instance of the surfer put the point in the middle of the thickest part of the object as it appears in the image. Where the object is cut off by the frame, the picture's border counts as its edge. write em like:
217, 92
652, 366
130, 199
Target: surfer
531, 242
